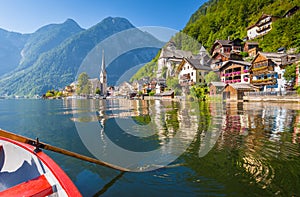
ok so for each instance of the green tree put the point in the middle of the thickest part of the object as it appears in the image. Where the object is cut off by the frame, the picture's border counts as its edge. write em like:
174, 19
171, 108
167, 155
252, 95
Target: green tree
290, 74
49, 94
173, 83
84, 85
98, 91
199, 92
211, 76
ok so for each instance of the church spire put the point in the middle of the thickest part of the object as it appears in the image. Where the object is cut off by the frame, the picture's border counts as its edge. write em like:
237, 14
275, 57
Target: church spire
103, 79
103, 62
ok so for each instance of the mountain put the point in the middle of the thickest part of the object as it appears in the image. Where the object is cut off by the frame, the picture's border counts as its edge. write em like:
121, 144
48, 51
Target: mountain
53, 55
11, 45
46, 38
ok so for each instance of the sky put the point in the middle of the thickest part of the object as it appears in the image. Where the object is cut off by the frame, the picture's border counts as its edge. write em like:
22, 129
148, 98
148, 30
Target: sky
26, 16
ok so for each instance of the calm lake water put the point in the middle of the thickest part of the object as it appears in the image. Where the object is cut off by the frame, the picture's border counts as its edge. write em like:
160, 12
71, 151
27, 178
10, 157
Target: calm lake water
229, 149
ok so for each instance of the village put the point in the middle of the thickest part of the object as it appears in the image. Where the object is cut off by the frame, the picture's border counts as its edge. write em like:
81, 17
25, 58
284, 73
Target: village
243, 69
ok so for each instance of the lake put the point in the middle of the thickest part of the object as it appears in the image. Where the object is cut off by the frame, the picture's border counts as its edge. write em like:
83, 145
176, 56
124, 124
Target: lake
173, 148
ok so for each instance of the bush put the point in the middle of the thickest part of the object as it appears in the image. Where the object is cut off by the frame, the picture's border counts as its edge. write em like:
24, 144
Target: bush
49, 94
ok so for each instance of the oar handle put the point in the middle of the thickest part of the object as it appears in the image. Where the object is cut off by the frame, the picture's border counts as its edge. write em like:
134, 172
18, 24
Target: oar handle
45, 146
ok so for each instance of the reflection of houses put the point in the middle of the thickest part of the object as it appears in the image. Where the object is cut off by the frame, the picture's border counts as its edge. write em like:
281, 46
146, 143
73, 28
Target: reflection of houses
267, 70
236, 91
261, 27
234, 71
216, 88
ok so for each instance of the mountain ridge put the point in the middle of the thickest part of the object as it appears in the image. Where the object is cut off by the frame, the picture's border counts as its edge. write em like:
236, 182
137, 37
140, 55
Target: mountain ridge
55, 66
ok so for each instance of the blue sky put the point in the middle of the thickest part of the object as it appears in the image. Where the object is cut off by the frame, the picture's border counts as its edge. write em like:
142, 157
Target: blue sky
26, 16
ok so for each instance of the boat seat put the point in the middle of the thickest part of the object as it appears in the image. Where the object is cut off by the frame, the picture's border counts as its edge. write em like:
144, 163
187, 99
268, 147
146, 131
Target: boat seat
35, 187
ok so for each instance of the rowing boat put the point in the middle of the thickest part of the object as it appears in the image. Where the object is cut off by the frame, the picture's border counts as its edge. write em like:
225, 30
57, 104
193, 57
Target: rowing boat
25, 170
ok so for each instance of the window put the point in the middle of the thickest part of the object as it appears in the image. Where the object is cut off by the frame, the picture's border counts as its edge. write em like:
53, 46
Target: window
192, 73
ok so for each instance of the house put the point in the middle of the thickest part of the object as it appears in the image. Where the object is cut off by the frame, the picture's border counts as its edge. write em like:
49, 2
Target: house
291, 12
192, 71
226, 46
234, 71
94, 85
166, 95
252, 48
267, 70
170, 58
236, 91
216, 88
126, 89
261, 27
218, 59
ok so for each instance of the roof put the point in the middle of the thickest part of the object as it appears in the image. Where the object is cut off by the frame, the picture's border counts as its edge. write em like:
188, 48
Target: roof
251, 43
166, 53
236, 62
217, 83
166, 93
277, 58
196, 63
241, 86
224, 42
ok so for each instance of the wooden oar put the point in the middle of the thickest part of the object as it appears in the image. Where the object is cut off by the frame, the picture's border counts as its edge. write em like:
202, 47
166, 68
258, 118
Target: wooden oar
45, 146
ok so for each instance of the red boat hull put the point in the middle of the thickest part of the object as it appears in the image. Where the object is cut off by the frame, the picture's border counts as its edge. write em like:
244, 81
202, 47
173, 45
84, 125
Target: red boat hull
40, 185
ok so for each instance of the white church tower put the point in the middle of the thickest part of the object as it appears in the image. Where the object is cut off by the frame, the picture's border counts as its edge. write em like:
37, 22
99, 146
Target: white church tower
103, 78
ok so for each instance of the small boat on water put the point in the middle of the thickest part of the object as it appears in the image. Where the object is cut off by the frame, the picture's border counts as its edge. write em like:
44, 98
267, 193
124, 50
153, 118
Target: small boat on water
27, 171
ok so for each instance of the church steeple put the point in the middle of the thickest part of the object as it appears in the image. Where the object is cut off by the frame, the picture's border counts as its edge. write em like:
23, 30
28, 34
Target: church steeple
103, 79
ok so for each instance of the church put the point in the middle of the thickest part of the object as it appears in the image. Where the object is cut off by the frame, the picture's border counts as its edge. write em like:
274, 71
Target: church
103, 77
100, 83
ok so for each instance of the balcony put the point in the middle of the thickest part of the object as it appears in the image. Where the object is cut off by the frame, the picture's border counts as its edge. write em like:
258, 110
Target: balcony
259, 70
264, 28
268, 81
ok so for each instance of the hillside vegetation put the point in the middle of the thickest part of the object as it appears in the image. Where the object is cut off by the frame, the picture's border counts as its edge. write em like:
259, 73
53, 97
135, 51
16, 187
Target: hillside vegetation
220, 19
223, 19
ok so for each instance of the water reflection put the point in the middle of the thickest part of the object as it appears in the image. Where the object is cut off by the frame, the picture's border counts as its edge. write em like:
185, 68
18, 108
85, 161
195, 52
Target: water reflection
239, 148
142, 135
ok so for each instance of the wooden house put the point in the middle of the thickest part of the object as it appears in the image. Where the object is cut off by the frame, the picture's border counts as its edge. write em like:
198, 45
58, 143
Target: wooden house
261, 27
237, 91
234, 71
166, 95
216, 88
226, 46
218, 59
267, 70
